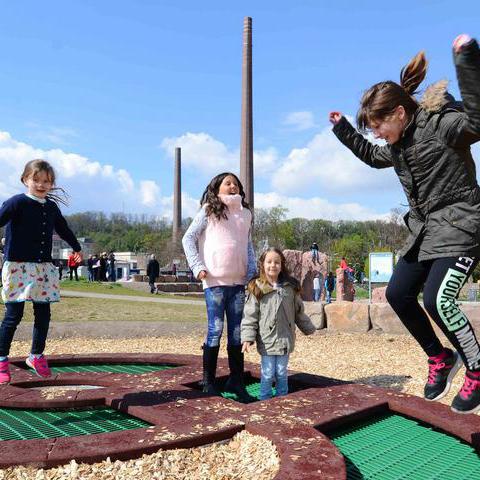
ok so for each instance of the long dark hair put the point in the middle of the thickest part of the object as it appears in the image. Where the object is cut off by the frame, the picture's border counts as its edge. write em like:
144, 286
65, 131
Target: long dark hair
38, 165
283, 276
383, 98
210, 196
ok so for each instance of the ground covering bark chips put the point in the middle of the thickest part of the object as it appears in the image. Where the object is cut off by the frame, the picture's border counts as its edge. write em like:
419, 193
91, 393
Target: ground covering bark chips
375, 359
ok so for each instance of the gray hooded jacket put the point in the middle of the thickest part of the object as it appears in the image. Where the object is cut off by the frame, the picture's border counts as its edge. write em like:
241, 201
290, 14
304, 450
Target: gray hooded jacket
271, 320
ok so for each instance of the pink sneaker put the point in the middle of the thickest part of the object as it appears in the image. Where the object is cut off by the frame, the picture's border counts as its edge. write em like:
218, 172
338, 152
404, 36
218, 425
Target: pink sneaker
5, 372
40, 365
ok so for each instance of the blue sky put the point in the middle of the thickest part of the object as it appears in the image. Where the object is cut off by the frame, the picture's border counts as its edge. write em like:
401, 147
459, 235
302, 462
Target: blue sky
106, 89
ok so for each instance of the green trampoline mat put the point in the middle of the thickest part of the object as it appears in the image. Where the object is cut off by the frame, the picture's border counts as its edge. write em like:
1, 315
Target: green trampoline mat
132, 368
392, 447
252, 387
28, 424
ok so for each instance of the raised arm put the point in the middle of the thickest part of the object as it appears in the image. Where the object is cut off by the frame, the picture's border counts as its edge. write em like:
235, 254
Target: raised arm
464, 129
373, 155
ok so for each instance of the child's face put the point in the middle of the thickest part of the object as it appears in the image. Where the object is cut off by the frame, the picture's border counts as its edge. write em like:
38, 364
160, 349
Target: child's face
229, 186
391, 127
39, 184
272, 265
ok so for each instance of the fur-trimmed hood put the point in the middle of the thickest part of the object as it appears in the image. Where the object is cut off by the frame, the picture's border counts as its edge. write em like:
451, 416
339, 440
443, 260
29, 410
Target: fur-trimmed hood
436, 97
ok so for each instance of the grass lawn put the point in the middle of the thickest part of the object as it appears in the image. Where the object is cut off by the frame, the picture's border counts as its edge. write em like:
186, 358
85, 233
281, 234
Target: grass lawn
98, 309
112, 288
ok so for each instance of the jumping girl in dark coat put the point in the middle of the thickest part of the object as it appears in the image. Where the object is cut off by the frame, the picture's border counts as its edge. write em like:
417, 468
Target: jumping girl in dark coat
428, 145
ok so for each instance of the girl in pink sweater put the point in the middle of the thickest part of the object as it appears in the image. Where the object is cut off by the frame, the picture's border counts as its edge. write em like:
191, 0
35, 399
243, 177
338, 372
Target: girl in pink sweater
220, 253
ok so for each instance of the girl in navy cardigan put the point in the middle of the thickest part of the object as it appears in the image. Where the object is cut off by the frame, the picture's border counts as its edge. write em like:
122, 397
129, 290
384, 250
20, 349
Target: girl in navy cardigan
28, 273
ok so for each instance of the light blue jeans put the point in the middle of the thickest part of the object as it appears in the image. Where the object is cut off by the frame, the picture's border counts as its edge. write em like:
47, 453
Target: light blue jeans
274, 367
224, 301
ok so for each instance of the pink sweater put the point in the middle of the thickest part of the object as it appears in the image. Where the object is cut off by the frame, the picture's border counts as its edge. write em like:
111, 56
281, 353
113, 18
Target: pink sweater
223, 245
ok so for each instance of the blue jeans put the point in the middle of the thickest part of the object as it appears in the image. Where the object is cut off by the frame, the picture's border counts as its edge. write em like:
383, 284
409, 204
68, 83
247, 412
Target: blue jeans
316, 294
223, 300
13, 316
314, 253
274, 367
329, 296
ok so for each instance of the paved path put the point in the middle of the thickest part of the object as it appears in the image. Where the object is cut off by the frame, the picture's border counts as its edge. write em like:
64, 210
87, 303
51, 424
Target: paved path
114, 329
130, 298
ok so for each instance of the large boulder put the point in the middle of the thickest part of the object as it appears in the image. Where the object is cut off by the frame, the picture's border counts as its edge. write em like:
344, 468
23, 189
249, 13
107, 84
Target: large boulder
316, 313
345, 289
378, 295
304, 269
385, 319
349, 317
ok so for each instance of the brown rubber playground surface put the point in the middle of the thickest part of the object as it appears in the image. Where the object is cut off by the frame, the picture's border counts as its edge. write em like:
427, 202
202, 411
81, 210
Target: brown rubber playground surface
181, 416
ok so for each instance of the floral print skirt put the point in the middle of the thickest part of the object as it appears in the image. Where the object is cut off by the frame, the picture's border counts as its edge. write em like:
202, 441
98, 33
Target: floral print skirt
27, 281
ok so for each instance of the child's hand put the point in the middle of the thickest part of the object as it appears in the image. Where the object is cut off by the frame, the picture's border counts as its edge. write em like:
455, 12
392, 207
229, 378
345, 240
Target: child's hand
78, 257
460, 41
335, 117
202, 275
246, 346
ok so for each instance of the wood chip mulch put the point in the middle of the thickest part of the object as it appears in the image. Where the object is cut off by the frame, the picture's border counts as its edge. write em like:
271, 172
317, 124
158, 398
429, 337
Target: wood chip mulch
375, 359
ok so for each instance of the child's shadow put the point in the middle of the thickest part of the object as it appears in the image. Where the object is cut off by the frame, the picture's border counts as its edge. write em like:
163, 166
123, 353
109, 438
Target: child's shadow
150, 399
385, 381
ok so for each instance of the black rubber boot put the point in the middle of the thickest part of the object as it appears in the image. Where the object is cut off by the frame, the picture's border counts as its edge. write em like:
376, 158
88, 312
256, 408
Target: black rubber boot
235, 383
210, 356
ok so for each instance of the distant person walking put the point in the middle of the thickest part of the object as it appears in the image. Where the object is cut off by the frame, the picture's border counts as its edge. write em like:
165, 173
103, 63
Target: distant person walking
112, 274
317, 288
314, 251
330, 282
72, 263
153, 271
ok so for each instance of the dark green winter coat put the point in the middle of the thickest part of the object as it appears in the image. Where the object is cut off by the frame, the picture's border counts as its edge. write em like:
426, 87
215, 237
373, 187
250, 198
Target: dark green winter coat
434, 164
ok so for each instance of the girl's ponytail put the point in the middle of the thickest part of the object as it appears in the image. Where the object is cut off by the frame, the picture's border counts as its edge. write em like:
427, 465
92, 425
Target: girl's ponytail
413, 74
381, 100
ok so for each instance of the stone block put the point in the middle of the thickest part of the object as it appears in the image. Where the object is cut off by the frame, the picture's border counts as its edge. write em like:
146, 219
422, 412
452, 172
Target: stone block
345, 289
378, 295
349, 317
195, 287
316, 313
383, 317
304, 269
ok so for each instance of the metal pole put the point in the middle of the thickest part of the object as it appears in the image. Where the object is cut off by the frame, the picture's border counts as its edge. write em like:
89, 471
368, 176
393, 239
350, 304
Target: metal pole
246, 139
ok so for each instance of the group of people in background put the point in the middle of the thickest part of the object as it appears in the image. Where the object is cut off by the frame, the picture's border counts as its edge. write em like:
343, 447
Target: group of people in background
101, 268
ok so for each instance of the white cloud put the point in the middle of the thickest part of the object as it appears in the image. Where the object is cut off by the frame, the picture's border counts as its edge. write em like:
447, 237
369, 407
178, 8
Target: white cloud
300, 120
53, 134
317, 207
203, 153
90, 185
150, 193
327, 165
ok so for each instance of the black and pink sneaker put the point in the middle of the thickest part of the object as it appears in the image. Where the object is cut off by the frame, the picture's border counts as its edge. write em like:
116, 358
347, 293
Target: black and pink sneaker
467, 399
441, 370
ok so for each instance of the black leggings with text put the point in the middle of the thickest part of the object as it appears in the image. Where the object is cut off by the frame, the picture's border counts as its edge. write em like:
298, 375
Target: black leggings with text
441, 279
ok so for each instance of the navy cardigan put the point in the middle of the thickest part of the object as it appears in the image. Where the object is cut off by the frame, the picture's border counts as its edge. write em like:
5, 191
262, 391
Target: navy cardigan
29, 229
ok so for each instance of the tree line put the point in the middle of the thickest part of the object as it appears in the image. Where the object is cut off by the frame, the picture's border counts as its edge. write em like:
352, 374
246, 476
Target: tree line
152, 234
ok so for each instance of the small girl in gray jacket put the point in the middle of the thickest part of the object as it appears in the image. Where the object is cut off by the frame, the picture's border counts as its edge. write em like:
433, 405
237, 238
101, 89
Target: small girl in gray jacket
272, 309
